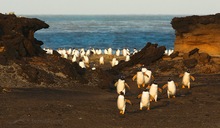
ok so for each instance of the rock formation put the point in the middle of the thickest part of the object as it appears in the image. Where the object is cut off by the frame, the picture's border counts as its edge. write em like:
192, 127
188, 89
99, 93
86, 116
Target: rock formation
149, 54
202, 32
17, 36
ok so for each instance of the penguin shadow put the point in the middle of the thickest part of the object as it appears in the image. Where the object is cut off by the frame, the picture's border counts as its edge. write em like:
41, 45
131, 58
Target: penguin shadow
183, 92
161, 104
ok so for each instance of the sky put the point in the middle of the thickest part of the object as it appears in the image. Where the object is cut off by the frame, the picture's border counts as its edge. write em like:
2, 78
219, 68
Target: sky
117, 7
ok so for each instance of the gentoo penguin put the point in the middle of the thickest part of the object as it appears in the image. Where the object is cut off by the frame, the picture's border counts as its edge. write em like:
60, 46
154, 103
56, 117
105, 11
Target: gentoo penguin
120, 85
121, 102
86, 59
127, 58
153, 90
109, 51
74, 58
101, 60
148, 79
145, 99
114, 62
186, 79
171, 88
82, 64
117, 53
140, 78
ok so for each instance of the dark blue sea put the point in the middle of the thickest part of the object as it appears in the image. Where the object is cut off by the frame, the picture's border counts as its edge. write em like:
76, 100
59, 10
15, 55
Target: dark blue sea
104, 31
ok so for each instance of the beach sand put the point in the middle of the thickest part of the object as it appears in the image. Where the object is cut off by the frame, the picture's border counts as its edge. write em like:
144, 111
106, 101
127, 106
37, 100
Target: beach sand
79, 106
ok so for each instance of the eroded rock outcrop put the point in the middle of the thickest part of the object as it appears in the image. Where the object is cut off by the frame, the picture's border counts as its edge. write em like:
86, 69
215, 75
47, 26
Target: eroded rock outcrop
149, 54
17, 36
23, 63
202, 32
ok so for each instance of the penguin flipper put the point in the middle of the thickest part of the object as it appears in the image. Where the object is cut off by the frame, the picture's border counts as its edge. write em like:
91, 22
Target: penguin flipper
134, 77
128, 101
146, 75
139, 96
127, 86
116, 83
181, 75
164, 86
193, 78
160, 90
177, 84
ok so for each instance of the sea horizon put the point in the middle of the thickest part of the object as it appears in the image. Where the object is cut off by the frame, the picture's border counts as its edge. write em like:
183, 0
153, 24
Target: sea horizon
104, 31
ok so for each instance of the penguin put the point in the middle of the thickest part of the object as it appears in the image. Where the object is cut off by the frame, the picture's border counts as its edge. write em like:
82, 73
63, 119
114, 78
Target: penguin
153, 90
86, 59
140, 78
74, 58
145, 99
117, 53
101, 60
121, 103
127, 58
148, 79
114, 62
109, 51
124, 52
186, 79
171, 88
82, 64
120, 85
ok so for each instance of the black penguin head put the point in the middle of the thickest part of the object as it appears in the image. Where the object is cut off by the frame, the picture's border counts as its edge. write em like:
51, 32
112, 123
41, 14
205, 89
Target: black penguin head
146, 90
154, 82
122, 93
169, 80
139, 69
122, 77
188, 71
80, 60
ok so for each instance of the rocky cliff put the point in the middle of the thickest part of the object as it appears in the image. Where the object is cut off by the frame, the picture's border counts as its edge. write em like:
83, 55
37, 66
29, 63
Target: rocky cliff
202, 32
17, 36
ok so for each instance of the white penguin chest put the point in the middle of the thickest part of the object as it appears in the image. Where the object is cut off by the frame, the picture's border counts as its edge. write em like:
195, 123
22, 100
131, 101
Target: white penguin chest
171, 87
145, 98
121, 102
121, 85
153, 90
186, 78
140, 77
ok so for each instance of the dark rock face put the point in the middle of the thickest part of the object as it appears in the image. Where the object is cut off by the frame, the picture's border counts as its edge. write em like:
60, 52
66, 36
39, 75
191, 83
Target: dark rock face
202, 32
149, 54
191, 59
17, 36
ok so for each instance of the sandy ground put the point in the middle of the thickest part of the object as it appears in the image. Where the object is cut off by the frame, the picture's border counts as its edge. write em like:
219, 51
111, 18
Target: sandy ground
79, 106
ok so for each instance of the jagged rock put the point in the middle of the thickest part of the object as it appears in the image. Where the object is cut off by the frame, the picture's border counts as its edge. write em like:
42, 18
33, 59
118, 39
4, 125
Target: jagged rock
202, 32
192, 52
174, 54
204, 57
17, 36
190, 63
149, 54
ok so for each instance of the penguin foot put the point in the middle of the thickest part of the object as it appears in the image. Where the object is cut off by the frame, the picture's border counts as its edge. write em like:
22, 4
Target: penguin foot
139, 86
140, 108
183, 86
148, 108
174, 96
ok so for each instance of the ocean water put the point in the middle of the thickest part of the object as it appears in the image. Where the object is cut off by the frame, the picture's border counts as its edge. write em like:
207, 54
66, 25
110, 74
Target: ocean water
104, 31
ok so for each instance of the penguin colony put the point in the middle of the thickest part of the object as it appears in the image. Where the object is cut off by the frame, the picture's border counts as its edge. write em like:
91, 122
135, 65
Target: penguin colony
143, 77
82, 55
151, 88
